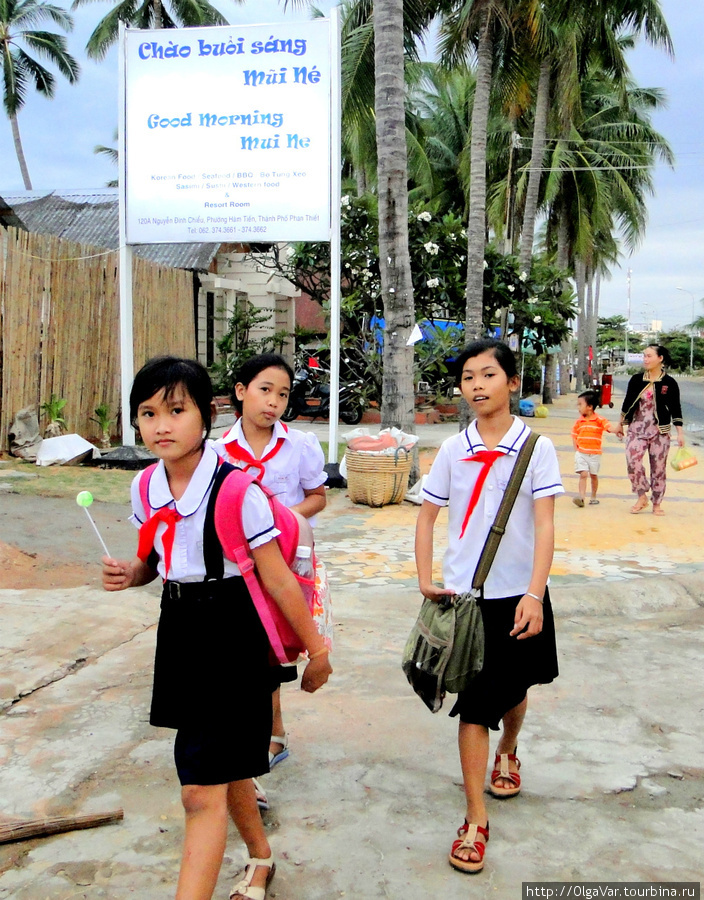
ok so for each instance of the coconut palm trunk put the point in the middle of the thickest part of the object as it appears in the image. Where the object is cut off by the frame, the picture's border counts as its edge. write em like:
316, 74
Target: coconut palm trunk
563, 259
397, 405
579, 279
20, 153
542, 102
476, 224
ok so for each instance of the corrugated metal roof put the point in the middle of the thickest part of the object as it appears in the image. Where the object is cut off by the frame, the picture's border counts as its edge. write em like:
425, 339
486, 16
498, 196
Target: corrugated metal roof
92, 217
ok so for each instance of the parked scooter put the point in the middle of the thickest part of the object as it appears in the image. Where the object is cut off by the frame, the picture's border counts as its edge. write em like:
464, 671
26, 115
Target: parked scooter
310, 396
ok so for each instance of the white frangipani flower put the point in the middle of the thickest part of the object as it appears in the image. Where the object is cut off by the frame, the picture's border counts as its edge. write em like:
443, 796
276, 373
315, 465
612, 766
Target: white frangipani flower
537, 319
431, 248
425, 216
523, 276
511, 288
433, 282
345, 201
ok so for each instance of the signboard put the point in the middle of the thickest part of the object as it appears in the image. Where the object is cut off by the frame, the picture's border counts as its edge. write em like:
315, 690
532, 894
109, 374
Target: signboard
227, 133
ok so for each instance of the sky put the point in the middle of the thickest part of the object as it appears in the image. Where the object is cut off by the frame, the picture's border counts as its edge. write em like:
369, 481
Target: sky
59, 136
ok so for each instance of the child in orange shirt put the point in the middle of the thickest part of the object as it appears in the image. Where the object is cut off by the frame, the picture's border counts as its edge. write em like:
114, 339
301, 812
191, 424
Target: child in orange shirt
587, 434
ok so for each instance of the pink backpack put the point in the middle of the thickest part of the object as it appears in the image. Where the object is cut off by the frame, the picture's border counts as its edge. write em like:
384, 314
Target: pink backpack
223, 533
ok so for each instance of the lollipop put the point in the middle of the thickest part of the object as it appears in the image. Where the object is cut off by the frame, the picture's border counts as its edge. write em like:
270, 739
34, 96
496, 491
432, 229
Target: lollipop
85, 499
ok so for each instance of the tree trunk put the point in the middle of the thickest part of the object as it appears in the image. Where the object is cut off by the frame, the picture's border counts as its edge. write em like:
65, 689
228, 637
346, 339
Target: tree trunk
476, 220
595, 311
397, 406
361, 178
536, 162
549, 383
477, 187
563, 260
588, 317
20, 153
579, 278
158, 16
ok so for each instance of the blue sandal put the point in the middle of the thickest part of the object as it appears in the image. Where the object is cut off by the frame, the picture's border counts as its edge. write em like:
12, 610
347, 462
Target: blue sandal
276, 758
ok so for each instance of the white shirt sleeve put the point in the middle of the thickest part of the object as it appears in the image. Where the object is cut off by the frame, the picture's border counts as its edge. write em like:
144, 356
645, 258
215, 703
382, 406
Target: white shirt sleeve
437, 485
257, 518
138, 514
546, 480
312, 463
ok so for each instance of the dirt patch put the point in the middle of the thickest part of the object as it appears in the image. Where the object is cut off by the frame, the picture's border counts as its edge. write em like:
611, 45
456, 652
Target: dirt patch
20, 570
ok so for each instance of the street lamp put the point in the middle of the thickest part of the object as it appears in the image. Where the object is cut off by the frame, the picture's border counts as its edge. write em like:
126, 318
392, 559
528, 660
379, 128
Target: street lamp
691, 330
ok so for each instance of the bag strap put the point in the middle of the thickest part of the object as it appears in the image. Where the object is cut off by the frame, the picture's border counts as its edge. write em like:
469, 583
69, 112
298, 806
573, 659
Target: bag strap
144, 480
498, 529
238, 548
212, 546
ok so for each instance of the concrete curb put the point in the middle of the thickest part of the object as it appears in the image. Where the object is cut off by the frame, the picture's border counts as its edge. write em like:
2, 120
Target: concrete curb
638, 596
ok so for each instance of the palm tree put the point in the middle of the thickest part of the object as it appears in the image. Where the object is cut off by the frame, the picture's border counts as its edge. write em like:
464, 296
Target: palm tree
113, 154
148, 14
20, 70
392, 176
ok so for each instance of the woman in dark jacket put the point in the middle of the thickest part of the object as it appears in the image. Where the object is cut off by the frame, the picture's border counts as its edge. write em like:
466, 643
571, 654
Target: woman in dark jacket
650, 409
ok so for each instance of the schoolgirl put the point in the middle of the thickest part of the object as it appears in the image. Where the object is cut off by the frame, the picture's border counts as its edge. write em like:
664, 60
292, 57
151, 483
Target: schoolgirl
288, 462
470, 474
207, 625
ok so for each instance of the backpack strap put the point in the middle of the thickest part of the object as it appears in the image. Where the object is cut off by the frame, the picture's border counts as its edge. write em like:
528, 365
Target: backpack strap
498, 529
227, 525
144, 479
212, 546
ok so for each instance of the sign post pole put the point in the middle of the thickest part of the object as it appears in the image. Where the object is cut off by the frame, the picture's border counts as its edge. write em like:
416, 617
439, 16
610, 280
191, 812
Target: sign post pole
335, 237
126, 324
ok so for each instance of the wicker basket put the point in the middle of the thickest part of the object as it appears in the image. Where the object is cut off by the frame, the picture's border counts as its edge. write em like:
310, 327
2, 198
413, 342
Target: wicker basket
378, 480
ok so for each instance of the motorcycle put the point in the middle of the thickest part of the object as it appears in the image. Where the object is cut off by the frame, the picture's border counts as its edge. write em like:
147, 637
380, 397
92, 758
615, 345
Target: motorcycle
310, 396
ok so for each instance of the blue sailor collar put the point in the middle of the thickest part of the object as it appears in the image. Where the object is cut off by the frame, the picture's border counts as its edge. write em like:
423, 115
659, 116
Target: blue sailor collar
510, 443
160, 495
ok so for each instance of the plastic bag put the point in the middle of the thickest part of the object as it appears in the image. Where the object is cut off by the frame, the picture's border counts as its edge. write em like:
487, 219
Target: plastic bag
541, 412
683, 459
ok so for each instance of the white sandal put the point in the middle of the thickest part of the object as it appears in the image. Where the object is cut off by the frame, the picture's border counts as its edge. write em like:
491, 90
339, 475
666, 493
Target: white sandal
275, 758
244, 888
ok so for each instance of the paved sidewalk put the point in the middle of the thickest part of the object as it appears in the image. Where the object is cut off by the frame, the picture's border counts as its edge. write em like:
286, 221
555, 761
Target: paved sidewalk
367, 804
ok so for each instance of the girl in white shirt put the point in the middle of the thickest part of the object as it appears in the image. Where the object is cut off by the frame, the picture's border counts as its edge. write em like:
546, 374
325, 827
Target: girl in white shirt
519, 631
289, 463
196, 682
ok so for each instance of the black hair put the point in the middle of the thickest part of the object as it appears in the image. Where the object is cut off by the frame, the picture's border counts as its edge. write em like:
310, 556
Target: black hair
663, 353
590, 398
167, 373
502, 352
249, 371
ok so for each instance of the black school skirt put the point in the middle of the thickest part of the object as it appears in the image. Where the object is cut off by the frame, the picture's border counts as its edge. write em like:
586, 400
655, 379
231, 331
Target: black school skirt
212, 681
510, 666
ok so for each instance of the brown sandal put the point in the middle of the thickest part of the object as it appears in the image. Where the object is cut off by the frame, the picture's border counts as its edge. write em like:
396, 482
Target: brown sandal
467, 840
639, 506
501, 770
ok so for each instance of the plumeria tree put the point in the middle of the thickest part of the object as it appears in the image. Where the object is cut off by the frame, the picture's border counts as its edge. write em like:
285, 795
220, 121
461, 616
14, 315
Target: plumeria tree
537, 301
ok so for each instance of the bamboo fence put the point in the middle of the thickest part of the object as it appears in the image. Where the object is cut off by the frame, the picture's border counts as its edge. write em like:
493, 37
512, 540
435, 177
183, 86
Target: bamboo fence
59, 326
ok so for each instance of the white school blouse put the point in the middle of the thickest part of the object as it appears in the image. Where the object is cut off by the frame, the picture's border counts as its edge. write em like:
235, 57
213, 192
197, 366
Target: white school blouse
297, 467
187, 562
451, 481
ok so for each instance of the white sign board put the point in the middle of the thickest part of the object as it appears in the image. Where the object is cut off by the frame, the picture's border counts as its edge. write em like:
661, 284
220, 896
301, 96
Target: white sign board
227, 133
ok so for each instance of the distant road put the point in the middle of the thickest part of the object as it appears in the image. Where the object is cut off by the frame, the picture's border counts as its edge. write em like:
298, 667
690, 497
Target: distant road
691, 393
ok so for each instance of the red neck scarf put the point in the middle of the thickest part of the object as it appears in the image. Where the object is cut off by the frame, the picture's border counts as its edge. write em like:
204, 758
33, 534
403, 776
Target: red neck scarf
238, 452
147, 533
487, 458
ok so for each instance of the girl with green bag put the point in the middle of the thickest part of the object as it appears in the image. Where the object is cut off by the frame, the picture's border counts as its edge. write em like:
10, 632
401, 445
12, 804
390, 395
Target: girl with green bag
469, 475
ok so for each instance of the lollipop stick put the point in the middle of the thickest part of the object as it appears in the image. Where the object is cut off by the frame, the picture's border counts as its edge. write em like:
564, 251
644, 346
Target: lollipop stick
95, 527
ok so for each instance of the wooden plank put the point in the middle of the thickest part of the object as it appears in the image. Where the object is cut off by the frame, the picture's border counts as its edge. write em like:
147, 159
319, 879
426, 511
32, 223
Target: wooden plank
22, 831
